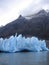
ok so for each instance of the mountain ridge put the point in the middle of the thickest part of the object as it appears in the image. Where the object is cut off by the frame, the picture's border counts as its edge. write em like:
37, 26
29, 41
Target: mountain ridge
38, 26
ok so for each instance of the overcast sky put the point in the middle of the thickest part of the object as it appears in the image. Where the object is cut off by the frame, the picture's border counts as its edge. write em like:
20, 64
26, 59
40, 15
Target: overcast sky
11, 9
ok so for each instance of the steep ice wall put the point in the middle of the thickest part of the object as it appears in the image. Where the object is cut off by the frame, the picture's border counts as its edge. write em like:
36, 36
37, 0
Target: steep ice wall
19, 43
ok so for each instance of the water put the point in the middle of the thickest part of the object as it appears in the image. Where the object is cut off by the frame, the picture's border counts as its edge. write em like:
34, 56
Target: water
25, 58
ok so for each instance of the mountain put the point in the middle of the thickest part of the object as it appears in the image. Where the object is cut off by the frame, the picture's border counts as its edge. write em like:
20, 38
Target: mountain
13, 27
40, 22
40, 14
37, 25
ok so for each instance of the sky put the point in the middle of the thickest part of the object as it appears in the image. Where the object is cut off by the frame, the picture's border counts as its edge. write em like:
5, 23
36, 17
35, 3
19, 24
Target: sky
11, 9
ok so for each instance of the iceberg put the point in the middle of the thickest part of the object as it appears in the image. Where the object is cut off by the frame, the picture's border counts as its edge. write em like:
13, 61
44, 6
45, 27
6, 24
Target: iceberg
19, 43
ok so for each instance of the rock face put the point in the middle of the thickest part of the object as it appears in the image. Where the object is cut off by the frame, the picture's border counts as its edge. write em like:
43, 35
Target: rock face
38, 26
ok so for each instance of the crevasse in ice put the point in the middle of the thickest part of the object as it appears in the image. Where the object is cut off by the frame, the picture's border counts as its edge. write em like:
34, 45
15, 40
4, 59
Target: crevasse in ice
19, 43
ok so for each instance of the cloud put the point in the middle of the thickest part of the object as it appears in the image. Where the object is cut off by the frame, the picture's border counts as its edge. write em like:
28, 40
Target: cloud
44, 1
35, 6
11, 9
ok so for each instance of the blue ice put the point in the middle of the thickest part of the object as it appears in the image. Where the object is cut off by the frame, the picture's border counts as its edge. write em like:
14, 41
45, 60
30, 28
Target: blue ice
19, 43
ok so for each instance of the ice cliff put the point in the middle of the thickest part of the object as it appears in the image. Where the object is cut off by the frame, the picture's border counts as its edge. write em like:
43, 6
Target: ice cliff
19, 43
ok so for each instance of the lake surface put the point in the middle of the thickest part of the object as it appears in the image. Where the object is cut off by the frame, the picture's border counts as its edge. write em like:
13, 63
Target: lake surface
25, 58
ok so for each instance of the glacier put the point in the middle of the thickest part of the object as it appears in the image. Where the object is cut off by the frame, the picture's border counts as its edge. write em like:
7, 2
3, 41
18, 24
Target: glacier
19, 43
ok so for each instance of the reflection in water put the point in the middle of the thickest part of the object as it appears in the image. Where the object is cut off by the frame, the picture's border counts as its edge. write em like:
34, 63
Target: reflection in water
27, 58
47, 58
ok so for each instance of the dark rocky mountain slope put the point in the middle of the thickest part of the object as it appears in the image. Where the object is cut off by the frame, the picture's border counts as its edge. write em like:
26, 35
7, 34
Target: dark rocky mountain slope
38, 26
